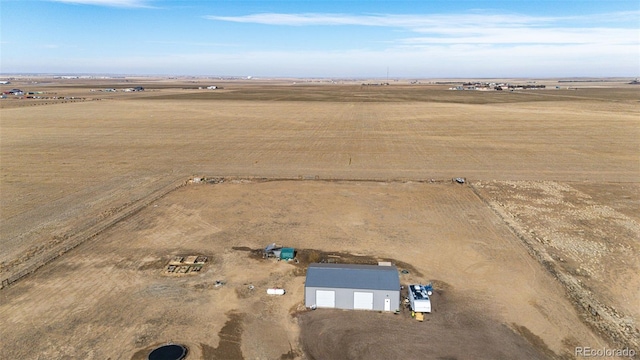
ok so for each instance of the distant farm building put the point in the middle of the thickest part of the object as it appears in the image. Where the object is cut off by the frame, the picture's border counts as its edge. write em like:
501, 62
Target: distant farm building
16, 92
137, 88
352, 287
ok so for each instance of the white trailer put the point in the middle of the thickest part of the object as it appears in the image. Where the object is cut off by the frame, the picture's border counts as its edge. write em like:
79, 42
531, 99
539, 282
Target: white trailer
419, 298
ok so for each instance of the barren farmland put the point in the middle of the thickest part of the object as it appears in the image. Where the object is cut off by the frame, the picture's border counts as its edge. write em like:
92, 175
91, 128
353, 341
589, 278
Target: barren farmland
535, 254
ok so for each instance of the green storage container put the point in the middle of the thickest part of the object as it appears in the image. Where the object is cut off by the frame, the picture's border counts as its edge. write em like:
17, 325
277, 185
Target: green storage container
287, 253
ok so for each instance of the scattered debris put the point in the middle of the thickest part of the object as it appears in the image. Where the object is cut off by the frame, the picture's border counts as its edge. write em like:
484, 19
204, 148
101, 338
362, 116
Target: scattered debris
429, 288
200, 180
269, 249
459, 180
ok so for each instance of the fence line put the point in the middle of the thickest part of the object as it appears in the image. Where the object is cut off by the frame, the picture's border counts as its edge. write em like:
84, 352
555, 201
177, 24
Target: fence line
130, 210
92, 232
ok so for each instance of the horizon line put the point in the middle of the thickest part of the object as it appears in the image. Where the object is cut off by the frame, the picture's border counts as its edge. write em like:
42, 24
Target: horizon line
252, 77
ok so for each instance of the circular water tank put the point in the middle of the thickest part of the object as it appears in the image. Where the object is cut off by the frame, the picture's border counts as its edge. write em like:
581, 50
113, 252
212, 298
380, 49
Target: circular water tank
168, 352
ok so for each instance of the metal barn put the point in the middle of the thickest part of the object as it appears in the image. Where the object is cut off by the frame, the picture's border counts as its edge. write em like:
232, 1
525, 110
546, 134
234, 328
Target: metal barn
353, 287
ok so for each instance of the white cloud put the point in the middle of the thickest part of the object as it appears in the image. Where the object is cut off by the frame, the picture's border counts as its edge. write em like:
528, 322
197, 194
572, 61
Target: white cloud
462, 45
399, 21
417, 22
112, 3
188, 43
496, 33
520, 35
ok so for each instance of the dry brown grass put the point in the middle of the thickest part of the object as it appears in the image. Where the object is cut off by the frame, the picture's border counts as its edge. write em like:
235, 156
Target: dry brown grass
71, 167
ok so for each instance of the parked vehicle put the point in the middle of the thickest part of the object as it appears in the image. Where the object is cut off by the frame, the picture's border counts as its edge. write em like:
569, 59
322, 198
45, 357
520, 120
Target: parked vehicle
419, 298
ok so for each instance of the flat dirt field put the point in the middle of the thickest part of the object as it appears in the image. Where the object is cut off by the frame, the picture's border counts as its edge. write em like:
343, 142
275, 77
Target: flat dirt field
537, 253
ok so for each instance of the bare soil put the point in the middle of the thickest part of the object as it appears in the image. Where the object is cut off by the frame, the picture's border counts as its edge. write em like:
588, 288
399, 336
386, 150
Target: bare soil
587, 239
113, 289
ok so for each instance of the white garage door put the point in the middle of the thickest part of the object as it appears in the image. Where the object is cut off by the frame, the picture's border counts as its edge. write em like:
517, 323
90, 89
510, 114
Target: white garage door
325, 298
363, 300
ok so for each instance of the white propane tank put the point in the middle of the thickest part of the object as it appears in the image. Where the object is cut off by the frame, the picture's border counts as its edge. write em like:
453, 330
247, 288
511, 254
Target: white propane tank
274, 291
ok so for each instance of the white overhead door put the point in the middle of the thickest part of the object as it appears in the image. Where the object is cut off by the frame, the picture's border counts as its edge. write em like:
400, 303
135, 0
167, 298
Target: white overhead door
325, 298
363, 300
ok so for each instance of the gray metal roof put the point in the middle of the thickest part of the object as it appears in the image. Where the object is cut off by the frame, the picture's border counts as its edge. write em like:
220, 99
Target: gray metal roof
351, 276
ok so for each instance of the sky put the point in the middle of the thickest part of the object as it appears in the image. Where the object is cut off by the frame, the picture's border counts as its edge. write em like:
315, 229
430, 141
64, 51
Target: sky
319, 38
